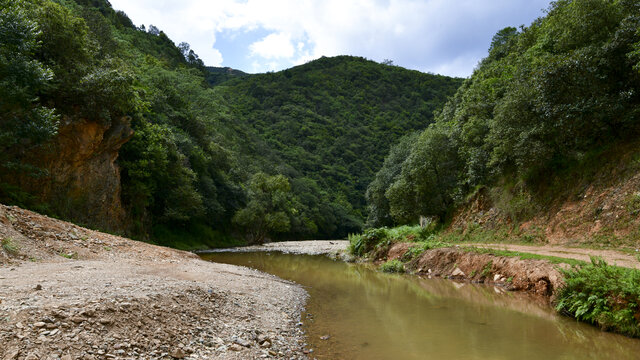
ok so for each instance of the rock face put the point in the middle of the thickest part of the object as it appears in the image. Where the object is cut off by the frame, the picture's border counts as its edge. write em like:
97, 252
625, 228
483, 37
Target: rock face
83, 182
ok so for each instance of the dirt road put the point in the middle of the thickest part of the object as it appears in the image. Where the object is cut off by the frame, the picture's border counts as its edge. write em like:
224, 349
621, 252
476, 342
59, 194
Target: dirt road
612, 257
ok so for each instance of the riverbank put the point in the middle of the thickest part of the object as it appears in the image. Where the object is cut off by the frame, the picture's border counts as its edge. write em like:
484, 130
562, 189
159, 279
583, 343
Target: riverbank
332, 248
71, 293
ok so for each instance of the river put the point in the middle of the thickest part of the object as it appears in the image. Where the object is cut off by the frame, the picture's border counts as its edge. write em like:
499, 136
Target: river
355, 312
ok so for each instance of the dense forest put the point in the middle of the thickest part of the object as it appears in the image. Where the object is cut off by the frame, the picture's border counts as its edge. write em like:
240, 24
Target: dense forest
547, 98
203, 156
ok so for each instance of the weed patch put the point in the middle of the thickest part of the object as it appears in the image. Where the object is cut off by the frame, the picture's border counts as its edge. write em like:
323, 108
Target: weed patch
604, 295
393, 266
9, 245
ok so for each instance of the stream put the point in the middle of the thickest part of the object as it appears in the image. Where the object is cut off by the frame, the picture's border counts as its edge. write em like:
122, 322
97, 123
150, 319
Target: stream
355, 312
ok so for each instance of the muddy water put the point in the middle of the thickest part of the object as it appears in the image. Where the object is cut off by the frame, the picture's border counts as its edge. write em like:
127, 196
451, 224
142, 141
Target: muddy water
370, 315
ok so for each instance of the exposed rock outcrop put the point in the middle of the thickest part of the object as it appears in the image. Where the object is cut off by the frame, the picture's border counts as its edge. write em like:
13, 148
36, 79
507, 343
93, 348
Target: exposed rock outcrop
83, 180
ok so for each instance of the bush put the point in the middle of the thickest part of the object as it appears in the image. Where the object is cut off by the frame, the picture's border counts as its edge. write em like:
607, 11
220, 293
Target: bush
604, 295
361, 244
393, 266
9, 245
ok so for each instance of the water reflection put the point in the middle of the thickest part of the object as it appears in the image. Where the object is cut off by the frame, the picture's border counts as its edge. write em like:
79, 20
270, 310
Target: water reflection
369, 315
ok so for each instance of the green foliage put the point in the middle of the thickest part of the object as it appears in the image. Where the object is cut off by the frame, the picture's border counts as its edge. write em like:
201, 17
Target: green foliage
378, 203
332, 120
428, 243
486, 269
25, 122
376, 238
269, 208
393, 266
545, 97
428, 178
362, 244
603, 295
9, 245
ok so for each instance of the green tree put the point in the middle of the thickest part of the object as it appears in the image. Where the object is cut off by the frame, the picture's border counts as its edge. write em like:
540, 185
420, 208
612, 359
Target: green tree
24, 122
429, 178
269, 206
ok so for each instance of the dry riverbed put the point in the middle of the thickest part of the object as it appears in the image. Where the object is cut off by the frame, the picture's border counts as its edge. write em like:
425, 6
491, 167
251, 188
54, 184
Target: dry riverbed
71, 293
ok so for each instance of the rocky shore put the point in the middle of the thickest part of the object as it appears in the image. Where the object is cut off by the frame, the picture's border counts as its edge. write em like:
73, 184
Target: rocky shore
71, 293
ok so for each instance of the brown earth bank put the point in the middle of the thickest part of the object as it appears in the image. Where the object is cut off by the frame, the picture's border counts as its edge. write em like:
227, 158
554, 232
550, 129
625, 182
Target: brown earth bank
596, 204
67, 292
514, 274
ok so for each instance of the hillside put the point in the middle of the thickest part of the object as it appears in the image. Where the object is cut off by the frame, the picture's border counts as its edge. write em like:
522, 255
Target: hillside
539, 145
332, 120
217, 75
116, 127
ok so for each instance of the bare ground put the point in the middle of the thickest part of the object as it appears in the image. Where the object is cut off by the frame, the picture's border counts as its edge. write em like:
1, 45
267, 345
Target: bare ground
612, 257
71, 293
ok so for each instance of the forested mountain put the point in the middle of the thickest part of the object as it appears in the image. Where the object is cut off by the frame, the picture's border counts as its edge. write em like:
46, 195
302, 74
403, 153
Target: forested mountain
114, 126
332, 120
546, 103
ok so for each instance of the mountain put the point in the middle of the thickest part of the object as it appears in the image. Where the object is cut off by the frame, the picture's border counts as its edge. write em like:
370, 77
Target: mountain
218, 75
116, 127
331, 121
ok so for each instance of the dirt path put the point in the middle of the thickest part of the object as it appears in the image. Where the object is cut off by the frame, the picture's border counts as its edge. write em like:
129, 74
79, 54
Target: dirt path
610, 256
71, 293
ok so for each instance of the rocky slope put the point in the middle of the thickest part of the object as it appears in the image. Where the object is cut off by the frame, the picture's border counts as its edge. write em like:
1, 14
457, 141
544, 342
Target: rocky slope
67, 292
82, 180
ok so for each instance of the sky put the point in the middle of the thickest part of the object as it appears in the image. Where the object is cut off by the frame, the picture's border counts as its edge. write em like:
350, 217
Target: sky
446, 37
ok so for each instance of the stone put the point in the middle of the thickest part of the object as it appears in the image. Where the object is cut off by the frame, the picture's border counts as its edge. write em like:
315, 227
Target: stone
496, 277
38, 287
178, 353
39, 324
12, 354
325, 337
242, 342
235, 347
457, 272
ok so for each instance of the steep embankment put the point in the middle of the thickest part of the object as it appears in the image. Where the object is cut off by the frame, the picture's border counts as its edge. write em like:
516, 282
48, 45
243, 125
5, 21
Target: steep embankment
71, 292
594, 203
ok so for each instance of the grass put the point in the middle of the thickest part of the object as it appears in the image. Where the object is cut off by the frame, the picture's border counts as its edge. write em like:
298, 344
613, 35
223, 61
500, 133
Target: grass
393, 266
603, 295
379, 238
523, 255
486, 269
69, 255
9, 245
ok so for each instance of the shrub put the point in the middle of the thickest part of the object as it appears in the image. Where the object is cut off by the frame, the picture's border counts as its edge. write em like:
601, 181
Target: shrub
604, 295
9, 245
362, 244
393, 266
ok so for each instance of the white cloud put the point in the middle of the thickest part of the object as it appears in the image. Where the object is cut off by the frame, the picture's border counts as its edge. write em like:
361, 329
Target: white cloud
273, 46
429, 35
